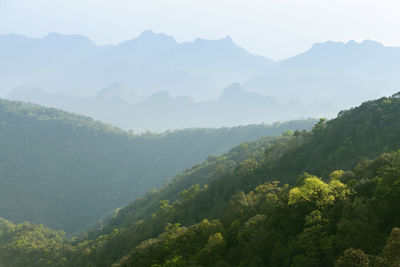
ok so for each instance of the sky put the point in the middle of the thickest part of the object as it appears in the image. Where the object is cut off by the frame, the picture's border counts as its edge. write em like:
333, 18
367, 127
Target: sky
273, 28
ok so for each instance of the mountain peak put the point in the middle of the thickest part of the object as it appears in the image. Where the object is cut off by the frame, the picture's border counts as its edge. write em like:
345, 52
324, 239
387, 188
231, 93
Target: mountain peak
62, 38
351, 43
149, 38
112, 90
147, 33
371, 43
234, 89
327, 44
151, 35
226, 40
365, 43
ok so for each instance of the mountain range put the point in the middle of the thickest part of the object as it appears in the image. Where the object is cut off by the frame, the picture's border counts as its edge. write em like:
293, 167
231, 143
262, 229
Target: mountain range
161, 111
148, 63
332, 71
114, 83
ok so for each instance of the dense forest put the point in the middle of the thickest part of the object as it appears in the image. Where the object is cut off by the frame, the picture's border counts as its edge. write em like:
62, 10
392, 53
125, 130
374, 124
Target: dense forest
68, 171
324, 197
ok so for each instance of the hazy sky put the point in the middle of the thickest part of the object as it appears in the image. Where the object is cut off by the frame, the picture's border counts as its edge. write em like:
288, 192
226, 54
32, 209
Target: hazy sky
273, 28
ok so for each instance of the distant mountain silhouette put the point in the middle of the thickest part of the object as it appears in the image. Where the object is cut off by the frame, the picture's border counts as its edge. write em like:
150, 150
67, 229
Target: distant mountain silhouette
102, 105
351, 59
74, 74
149, 63
161, 111
235, 106
28, 60
221, 59
340, 72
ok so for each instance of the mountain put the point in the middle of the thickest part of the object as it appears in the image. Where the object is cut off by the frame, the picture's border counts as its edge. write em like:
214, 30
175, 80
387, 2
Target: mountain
102, 106
352, 58
341, 143
161, 111
319, 82
333, 71
68, 171
31, 60
149, 63
52, 50
325, 197
139, 49
234, 212
235, 106
52, 241
153, 62
156, 62
221, 59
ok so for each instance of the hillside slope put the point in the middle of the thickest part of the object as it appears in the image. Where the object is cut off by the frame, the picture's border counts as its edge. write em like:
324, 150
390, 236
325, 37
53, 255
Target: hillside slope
67, 171
365, 131
236, 210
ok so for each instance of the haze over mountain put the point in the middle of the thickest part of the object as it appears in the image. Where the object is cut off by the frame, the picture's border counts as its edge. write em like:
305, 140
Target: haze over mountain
349, 72
148, 63
161, 111
26, 60
68, 171
119, 83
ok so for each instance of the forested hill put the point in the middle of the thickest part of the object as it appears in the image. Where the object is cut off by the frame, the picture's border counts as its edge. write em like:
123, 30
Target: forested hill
362, 132
263, 224
68, 171
237, 210
356, 134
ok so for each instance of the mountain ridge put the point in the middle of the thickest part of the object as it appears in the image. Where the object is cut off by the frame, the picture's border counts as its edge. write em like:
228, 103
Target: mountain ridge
68, 171
325, 197
323, 80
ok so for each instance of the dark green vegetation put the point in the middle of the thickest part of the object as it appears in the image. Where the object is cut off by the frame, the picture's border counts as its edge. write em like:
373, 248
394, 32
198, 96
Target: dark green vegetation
327, 197
68, 171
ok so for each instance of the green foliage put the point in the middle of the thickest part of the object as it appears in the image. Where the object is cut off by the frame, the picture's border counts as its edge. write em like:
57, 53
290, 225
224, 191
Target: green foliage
30, 245
353, 258
361, 132
319, 193
391, 252
262, 204
68, 171
175, 262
